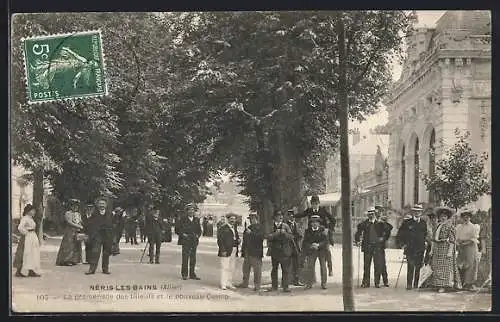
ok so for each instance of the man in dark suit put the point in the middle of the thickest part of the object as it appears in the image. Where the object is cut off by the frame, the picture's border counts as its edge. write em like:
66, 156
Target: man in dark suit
154, 228
99, 229
382, 218
315, 247
280, 249
412, 237
297, 251
252, 250
227, 240
189, 231
326, 220
372, 233
118, 226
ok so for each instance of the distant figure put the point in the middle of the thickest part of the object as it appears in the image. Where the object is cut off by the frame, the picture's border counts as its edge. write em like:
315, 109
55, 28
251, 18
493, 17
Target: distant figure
131, 222
204, 226
210, 227
154, 228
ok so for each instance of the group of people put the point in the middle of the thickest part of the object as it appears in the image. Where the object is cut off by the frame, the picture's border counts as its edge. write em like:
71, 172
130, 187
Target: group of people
455, 251
295, 253
458, 253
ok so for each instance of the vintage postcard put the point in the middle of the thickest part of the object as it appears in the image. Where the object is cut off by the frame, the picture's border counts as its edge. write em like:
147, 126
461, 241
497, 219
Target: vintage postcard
269, 161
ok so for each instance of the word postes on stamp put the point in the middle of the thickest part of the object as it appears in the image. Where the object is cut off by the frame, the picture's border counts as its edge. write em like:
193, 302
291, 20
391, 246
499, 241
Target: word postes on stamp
64, 66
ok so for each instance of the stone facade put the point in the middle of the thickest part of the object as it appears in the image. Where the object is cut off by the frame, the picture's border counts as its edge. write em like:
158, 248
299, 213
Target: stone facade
445, 84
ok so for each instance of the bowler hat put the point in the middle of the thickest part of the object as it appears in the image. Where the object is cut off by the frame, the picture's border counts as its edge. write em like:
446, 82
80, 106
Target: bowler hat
315, 199
28, 208
371, 210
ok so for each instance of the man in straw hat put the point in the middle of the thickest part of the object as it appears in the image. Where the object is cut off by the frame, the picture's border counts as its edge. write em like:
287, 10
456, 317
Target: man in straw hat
373, 239
412, 236
227, 241
189, 231
467, 246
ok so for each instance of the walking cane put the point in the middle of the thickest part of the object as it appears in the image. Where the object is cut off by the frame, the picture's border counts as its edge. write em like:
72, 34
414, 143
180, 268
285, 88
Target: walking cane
402, 262
144, 252
359, 263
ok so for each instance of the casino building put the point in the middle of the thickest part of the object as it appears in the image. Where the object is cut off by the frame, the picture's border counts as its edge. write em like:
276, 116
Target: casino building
445, 84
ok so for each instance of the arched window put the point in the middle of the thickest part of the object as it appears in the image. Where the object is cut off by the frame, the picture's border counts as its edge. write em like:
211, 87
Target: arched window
403, 171
416, 173
432, 163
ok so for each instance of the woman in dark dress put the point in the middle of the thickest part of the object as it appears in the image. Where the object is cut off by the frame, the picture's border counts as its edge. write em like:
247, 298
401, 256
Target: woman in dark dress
70, 251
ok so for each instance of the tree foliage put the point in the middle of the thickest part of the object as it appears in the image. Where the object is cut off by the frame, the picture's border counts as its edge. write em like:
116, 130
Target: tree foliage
460, 177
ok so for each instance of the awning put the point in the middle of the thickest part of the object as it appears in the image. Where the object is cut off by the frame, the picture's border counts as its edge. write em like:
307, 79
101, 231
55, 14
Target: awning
328, 199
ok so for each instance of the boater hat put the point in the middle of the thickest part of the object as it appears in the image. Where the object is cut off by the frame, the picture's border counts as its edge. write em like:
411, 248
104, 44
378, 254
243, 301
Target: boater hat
417, 207
371, 210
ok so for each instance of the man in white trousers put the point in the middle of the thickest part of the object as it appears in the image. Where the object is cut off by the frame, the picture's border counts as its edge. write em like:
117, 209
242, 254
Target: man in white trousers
227, 240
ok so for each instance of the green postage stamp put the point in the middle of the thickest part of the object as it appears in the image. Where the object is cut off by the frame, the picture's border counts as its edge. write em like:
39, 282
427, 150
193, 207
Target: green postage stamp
64, 66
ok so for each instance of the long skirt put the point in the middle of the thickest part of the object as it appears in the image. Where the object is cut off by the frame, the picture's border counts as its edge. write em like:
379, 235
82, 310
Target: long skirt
27, 256
70, 251
467, 263
444, 268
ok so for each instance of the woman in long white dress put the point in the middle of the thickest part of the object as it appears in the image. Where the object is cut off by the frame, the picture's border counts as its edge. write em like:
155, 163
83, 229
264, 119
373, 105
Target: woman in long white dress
27, 258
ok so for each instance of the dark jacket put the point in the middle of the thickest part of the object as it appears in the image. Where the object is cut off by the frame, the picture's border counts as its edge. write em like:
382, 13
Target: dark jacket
297, 236
326, 219
253, 242
226, 240
154, 227
281, 243
413, 235
99, 226
320, 236
364, 229
189, 232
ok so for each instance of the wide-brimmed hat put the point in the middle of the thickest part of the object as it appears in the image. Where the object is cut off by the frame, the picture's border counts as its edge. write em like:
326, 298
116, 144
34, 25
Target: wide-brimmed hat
417, 207
443, 209
466, 213
28, 208
371, 210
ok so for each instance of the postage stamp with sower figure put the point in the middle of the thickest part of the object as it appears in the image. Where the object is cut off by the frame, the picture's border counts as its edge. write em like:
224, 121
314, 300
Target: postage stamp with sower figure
64, 66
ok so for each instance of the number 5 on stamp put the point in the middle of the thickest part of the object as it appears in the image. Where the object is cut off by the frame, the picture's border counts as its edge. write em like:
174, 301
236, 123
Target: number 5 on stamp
64, 66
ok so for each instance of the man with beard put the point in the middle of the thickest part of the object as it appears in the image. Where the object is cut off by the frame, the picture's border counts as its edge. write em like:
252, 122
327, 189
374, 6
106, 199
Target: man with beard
99, 229
280, 249
326, 220
189, 231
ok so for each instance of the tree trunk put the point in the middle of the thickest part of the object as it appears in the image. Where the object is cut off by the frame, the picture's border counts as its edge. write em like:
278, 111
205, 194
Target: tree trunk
38, 201
347, 281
